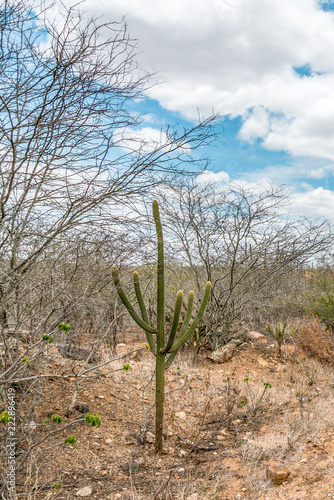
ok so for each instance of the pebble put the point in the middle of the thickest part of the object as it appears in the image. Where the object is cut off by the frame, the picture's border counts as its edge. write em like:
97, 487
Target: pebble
278, 473
85, 492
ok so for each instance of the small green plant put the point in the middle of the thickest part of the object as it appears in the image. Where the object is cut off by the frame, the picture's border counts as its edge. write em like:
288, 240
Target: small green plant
93, 419
46, 421
254, 405
279, 333
48, 338
25, 360
164, 352
56, 485
4, 417
126, 367
71, 440
65, 327
56, 418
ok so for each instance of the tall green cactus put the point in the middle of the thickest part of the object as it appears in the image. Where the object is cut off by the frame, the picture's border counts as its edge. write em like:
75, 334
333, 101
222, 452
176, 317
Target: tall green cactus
165, 352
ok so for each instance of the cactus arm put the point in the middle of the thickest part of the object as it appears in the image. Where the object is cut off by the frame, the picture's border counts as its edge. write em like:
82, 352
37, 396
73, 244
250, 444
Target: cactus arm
191, 329
187, 316
175, 322
170, 359
184, 327
127, 303
143, 310
140, 299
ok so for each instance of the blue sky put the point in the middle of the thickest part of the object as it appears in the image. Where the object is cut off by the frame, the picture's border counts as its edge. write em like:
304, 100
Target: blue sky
266, 65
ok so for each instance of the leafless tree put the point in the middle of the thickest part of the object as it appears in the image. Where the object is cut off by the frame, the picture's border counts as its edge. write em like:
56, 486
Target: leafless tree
65, 159
70, 153
237, 237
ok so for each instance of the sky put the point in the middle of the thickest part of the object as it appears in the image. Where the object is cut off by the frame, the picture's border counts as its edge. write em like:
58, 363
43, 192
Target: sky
266, 65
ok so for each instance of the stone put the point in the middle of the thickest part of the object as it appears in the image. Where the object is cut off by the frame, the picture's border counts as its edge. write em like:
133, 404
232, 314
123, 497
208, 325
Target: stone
108, 441
223, 354
150, 437
220, 437
258, 337
278, 473
85, 492
180, 414
262, 362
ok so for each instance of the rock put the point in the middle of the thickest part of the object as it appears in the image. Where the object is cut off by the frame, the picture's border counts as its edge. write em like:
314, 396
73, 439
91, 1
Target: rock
182, 453
108, 441
85, 492
223, 354
220, 437
303, 461
180, 414
258, 337
193, 496
150, 437
262, 362
278, 473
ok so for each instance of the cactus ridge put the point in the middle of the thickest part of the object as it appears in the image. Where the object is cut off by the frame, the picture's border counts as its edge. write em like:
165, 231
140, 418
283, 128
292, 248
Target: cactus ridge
159, 347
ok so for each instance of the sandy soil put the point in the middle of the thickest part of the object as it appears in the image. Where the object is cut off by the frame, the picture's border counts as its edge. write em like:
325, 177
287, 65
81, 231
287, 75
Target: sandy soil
214, 447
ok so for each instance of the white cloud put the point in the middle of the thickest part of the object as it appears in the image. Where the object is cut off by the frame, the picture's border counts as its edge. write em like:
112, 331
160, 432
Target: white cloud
238, 55
316, 173
207, 177
313, 203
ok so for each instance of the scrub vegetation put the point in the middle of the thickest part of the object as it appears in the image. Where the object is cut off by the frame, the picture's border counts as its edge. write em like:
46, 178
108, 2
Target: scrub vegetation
76, 369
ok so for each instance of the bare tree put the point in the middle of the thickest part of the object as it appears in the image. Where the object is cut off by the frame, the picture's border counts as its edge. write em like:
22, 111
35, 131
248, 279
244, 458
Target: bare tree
64, 159
70, 153
237, 237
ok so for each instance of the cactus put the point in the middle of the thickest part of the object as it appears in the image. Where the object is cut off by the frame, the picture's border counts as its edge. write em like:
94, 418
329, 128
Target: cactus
165, 352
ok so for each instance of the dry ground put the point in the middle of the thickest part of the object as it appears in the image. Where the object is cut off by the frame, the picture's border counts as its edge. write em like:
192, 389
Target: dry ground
214, 447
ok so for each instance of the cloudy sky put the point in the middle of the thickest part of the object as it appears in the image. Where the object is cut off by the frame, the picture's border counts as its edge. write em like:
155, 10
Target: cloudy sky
267, 65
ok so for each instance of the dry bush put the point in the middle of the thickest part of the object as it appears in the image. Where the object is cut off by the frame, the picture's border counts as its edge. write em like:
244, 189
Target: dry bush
314, 340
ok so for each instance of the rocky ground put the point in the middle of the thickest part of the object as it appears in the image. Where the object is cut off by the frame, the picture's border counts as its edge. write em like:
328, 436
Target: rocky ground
219, 443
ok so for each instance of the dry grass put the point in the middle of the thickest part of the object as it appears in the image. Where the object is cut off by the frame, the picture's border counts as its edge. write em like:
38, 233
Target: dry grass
314, 340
